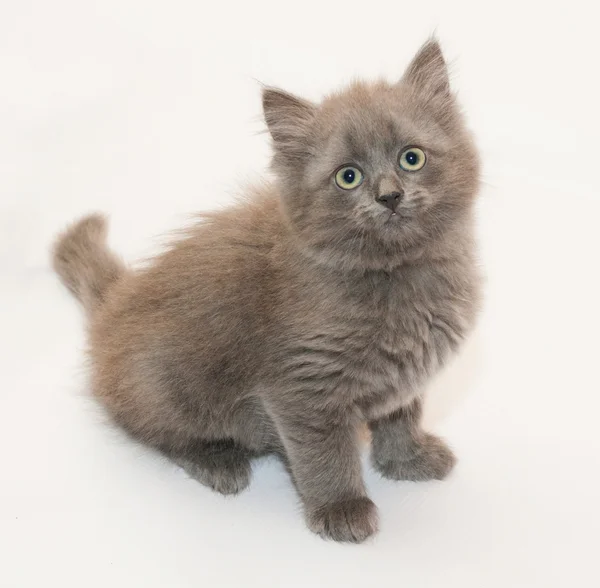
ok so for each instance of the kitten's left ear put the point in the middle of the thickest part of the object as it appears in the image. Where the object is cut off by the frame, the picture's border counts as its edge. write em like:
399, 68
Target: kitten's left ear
289, 119
428, 72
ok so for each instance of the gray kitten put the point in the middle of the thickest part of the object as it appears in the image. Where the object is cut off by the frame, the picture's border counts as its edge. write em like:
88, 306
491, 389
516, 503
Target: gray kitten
324, 301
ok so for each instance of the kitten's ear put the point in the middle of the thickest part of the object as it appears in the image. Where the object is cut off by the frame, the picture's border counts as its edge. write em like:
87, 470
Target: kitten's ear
428, 72
288, 119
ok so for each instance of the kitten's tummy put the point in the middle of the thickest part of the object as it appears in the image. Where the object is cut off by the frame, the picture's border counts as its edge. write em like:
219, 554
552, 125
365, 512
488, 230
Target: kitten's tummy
283, 323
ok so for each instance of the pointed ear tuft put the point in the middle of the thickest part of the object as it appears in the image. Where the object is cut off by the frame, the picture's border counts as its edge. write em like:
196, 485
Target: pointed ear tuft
428, 71
288, 119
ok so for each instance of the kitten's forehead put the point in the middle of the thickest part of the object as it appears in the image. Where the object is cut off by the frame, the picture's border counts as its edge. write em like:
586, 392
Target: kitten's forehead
376, 119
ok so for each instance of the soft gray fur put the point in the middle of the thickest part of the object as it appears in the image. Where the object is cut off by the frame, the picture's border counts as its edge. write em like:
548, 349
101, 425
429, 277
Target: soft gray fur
286, 322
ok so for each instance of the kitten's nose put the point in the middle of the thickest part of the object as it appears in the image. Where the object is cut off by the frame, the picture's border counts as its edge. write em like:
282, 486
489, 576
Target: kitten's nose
390, 200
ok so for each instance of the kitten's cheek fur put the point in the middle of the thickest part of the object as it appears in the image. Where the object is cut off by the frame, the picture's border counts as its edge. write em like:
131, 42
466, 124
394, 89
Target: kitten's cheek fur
352, 520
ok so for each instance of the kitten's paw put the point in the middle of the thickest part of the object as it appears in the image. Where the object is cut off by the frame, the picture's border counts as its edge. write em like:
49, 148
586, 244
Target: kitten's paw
351, 520
228, 474
431, 459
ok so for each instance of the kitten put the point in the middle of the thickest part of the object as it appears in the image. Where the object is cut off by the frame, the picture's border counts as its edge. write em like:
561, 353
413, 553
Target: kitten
323, 301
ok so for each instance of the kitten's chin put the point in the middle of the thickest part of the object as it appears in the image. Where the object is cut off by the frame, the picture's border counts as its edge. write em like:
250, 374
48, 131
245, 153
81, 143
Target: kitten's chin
383, 245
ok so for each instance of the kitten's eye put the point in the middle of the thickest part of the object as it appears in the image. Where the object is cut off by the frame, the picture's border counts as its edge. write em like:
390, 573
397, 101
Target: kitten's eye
412, 159
348, 177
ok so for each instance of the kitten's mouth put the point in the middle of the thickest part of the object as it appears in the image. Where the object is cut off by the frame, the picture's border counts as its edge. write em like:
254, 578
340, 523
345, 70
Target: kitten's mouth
393, 217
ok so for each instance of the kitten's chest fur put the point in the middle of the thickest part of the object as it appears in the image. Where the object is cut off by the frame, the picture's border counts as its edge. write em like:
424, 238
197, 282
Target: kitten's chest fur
381, 335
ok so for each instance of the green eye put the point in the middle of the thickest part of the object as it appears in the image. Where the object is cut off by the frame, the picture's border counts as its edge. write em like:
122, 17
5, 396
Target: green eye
412, 159
348, 177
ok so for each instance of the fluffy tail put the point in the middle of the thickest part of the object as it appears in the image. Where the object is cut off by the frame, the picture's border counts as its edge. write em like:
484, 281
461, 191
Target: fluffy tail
83, 261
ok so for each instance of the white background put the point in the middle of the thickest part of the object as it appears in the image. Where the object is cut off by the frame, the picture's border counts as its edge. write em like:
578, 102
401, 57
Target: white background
149, 111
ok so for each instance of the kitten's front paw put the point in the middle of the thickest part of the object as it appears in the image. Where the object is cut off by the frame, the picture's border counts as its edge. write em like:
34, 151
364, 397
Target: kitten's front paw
351, 520
429, 459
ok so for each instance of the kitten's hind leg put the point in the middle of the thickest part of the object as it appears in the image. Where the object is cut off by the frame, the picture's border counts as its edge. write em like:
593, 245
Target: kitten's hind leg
402, 450
221, 465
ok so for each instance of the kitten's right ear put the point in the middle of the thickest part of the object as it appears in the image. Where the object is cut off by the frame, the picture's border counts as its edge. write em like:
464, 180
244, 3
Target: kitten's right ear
288, 119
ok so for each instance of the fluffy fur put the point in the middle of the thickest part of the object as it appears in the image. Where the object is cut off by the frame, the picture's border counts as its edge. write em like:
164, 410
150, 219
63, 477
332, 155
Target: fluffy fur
282, 324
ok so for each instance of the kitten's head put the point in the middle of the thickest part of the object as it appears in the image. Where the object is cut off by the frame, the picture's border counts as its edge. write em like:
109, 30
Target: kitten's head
376, 172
